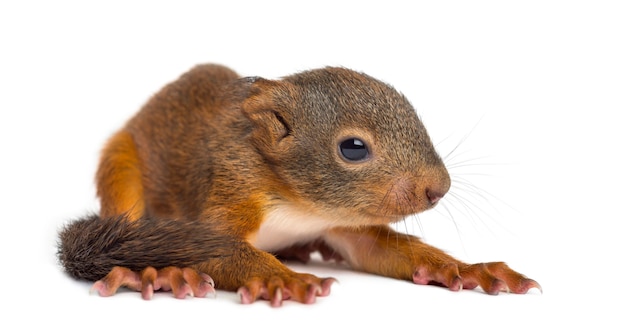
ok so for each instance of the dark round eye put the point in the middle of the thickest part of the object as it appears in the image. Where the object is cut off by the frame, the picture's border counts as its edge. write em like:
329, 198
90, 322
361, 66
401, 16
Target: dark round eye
353, 149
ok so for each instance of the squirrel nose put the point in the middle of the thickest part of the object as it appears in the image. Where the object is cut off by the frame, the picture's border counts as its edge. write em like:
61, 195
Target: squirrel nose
434, 196
438, 187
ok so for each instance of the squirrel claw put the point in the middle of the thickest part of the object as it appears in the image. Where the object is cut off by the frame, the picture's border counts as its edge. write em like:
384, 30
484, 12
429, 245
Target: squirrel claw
528, 284
302, 288
182, 282
244, 296
493, 278
101, 288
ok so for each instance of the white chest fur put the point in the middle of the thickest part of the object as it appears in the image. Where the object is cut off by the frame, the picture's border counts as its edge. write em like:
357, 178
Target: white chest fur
286, 225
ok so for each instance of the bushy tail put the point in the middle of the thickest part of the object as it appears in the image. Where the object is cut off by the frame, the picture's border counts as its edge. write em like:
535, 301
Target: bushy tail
90, 247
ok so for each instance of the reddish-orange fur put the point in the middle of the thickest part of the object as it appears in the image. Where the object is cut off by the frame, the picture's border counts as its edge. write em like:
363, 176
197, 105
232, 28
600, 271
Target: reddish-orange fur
119, 178
254, 158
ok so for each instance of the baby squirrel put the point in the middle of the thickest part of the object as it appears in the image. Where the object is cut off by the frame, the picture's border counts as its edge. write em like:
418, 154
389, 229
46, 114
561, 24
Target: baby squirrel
219, 176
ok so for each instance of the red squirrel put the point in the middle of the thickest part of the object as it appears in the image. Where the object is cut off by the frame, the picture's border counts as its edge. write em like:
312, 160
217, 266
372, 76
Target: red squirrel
219, 176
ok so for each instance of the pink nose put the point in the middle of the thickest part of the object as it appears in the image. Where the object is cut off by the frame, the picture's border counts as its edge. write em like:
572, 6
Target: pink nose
434, 196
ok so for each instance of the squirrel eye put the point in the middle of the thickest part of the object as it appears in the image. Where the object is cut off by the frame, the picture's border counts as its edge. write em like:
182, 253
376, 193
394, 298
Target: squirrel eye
353, 149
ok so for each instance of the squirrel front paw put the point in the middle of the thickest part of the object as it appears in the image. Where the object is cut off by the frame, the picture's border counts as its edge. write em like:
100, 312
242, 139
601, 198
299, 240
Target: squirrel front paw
182, 282
304, 288
492, 277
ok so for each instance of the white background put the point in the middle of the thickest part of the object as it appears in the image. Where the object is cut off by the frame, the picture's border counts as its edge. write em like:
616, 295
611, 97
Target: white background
533, 91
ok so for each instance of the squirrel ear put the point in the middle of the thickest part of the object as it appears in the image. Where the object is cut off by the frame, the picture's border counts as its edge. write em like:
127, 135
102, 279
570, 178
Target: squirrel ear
267, 106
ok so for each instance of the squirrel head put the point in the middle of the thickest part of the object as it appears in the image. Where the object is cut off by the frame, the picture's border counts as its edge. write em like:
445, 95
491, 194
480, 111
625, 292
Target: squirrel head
346, 142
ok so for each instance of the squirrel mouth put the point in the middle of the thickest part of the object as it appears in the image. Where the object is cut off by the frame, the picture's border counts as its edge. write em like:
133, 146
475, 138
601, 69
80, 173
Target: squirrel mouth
387, 215
383, 216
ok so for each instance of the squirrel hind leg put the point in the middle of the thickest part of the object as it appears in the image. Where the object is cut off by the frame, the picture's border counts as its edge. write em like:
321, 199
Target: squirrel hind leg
182, 282
119, 181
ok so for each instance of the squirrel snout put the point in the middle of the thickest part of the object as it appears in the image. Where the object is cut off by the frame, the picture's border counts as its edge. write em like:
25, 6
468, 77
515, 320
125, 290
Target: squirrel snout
437, 189
408, 195
434, 195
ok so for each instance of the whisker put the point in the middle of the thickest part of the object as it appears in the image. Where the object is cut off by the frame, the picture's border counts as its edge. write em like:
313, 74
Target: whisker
379, 209
463, 139
420, 226
468, 209
397, 239
375, 238
456, 226
478, 206
481, 192
408, 238
467, 164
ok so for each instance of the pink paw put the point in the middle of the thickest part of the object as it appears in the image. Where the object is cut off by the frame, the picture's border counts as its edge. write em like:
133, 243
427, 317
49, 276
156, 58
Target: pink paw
493, 278
182, 282
304, 288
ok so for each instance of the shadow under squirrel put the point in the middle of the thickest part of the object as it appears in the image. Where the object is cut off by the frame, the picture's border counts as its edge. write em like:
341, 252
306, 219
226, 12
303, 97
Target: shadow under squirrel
218, 176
